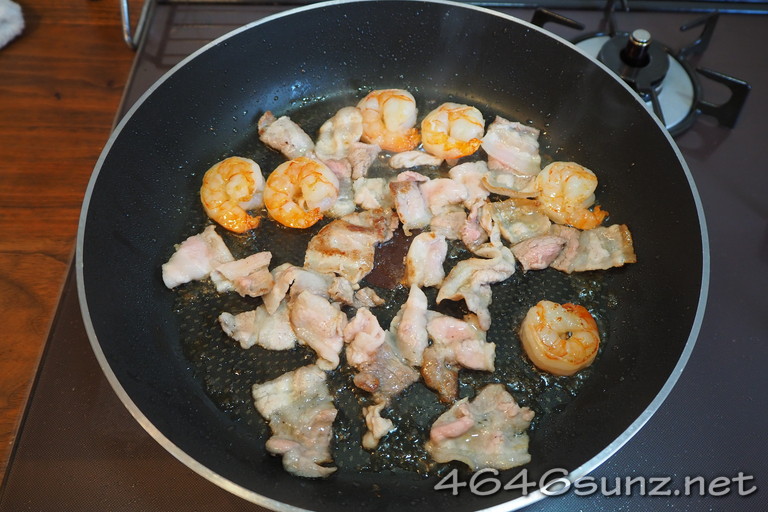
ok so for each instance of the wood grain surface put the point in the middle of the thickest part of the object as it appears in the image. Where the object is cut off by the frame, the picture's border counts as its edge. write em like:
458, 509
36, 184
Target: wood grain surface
60, 86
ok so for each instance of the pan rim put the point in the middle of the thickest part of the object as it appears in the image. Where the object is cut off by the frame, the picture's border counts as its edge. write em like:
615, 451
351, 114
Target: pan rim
262, 500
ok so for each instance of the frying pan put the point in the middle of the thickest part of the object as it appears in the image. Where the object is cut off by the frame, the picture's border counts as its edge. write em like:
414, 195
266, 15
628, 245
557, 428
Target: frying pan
188, 385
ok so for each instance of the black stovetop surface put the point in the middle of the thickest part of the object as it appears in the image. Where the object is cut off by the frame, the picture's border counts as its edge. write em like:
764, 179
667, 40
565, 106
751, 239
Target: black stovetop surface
79, 448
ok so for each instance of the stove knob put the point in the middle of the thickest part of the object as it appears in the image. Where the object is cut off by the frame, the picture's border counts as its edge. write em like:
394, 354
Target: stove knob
636, 51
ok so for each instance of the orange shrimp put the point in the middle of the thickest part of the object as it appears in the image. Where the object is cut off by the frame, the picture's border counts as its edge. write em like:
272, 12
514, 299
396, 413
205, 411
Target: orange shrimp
452, 131
560, 339
389, 119
566, 190
299, 191
231, 188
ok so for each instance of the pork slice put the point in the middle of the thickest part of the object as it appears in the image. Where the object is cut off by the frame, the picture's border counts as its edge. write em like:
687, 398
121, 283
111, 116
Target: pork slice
195, 258
409, 327
424, 261
318, 324
443, 193
408, 159
249, 276
456, 343
366, 298
372, 193
470, 174
361, 157
284, 135
381, 370
539, 252
487, 432
599, 248
288, 277
347, 246
519, 219
300, 412
471, 280
338, 133
449, 223
258, 327
513, 145
411, 207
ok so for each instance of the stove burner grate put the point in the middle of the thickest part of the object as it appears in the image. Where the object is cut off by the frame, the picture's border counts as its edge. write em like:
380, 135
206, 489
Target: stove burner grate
665, 79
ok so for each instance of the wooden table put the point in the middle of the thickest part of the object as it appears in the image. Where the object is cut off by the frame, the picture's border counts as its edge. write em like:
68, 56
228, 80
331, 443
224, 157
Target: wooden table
60, 86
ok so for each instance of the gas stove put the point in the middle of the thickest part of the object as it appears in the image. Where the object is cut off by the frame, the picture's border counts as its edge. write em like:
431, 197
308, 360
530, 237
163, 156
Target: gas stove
79, 448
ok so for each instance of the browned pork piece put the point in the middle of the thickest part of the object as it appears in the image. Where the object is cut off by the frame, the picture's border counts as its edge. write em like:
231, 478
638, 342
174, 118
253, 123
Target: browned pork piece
284, 135
195, 258
346, 246
258, 327
455, 344
300, 412
250, 276
488, 432
381, 370
599, 248
471, 280
424, 261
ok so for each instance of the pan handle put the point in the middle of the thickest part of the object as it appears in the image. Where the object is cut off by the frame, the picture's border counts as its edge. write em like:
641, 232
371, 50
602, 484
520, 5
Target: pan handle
132, 39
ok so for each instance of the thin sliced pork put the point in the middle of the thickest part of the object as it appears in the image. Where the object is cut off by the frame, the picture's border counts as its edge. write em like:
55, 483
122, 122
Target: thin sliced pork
471, 280
513, 146
539, 252
300, 412
455, 343
318, 324
410, 327
347, 246
285, 136
488, 432
195, 258
424, 261
599, 248
381, 370
250, 276
258, 327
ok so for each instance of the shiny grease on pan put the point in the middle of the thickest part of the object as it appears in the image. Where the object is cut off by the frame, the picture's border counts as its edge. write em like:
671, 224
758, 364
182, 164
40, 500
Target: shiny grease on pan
226, 372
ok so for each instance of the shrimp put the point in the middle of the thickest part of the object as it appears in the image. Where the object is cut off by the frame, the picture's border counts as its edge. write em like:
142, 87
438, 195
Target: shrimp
566, 190
452, 131
299, 191
231, 188
560, 339
389, 119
